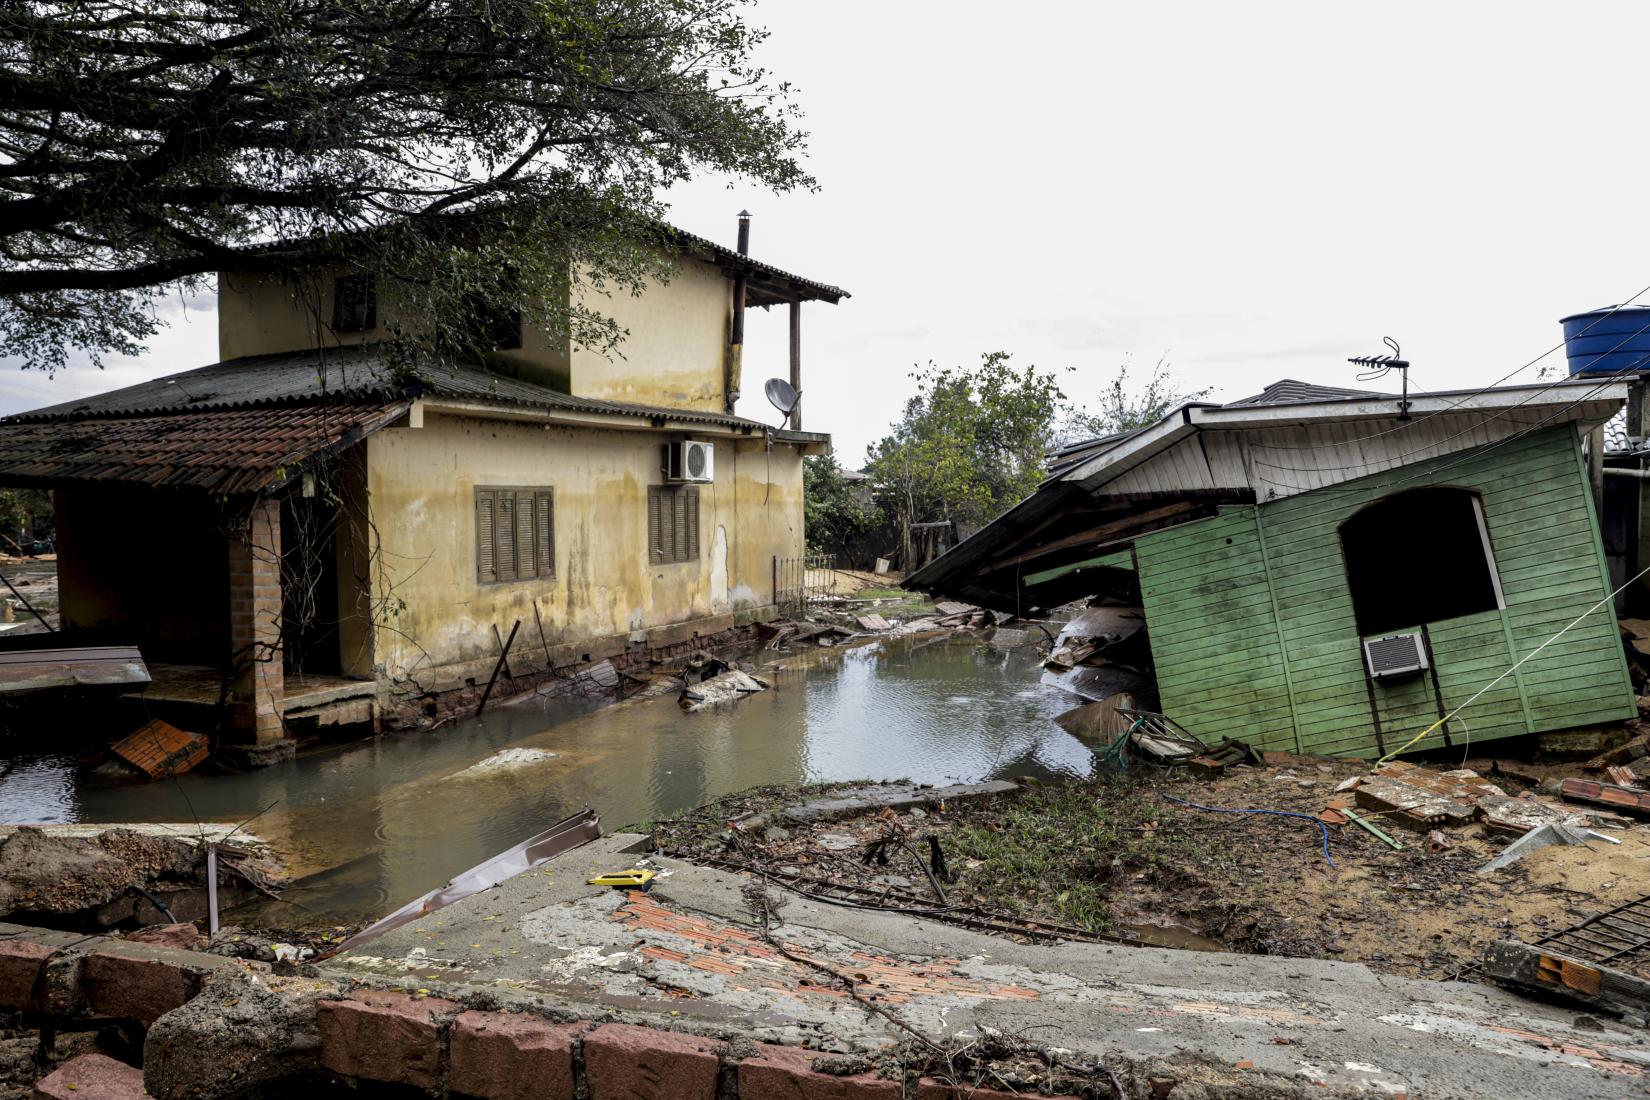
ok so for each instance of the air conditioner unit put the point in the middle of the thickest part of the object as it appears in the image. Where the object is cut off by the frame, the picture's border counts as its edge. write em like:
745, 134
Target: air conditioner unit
690, 460
1395, 655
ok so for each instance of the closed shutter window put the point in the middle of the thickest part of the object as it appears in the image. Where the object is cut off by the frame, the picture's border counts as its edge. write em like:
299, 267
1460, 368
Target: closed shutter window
672, 523
515, 534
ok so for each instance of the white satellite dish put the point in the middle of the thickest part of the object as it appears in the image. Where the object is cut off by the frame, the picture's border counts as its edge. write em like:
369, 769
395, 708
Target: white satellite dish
781, 395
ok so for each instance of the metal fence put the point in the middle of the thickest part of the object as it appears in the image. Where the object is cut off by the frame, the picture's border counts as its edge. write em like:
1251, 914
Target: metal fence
799, 581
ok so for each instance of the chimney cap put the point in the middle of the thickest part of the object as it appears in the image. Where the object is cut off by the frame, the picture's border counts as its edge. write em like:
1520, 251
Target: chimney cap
744, 215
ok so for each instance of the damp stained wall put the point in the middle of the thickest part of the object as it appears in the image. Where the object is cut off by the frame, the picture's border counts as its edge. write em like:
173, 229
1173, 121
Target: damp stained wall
435, 614
1253, 634
675, 346
673, 349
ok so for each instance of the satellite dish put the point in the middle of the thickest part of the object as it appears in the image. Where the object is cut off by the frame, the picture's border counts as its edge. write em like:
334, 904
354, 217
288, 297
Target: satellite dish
781, 395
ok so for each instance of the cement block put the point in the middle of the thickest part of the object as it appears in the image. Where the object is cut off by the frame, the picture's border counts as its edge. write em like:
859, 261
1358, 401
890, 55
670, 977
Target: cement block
131, 988
20, 963
787, 1073
390, 1037
92, 1076
622, 1062
508, 1056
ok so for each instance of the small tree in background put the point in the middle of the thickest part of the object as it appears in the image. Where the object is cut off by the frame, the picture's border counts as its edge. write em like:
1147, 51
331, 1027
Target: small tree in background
970, 444
24, 513
834, 514
1123, 407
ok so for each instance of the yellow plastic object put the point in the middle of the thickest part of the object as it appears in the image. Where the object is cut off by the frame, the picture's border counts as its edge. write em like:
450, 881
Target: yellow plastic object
633, 879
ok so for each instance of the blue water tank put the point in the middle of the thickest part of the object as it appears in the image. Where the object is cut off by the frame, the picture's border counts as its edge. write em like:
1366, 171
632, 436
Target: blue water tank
1605, 342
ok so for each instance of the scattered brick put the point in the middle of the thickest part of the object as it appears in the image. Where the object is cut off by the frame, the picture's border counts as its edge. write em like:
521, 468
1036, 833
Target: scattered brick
389, 1037
622, 1062
92, 1077
20, 963
508, 1056
182, 937
787, 1073
1606, 794
129, 987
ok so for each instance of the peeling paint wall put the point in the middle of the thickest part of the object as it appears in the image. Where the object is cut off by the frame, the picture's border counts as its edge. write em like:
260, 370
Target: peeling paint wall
422, 483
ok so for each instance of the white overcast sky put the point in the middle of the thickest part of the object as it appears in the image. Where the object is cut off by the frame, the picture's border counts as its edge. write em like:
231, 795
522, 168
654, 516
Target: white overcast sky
1256, 191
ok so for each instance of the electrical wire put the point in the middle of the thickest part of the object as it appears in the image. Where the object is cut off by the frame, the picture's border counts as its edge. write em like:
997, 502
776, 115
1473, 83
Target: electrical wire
1469, 454
1464, 431
1406, 425
1516, 666
1273, 813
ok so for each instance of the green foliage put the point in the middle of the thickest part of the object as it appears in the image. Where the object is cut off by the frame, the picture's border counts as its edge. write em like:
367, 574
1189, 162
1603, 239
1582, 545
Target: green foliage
970, 443
833, 514
474, 156
22, 513
1123, 407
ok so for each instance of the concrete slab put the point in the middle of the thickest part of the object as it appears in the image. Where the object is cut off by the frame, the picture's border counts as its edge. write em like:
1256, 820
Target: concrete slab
690, 956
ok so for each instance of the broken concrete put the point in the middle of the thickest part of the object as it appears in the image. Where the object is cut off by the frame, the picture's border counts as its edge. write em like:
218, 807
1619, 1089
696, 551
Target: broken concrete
728, 687
691, 956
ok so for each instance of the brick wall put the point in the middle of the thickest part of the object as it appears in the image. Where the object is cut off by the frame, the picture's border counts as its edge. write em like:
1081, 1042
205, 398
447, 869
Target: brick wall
255, 624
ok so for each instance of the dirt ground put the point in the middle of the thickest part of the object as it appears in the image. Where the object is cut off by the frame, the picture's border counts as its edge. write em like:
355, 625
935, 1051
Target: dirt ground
1116, 856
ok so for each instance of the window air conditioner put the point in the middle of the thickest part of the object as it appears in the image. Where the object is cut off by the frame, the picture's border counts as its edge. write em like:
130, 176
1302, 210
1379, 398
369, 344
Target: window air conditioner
1395, 655
690, 460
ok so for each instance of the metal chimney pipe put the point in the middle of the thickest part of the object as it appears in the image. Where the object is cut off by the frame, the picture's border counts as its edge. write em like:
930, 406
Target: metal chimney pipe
736, 339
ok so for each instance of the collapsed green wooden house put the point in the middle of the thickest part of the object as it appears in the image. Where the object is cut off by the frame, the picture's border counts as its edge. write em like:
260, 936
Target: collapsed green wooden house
1321, 575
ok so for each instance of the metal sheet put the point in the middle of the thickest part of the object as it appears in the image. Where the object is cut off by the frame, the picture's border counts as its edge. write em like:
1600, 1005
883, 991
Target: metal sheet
563, 836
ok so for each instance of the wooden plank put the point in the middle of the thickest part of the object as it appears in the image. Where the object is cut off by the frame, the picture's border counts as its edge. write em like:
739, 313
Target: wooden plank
96, 666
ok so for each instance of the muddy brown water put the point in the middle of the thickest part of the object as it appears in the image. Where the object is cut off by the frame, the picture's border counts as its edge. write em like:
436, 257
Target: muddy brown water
370, 826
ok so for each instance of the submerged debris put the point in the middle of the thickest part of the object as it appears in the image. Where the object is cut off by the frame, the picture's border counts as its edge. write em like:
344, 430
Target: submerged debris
726, 687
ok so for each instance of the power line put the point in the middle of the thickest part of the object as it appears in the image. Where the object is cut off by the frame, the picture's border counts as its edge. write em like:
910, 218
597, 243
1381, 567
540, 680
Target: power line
1407, 424
1464, 431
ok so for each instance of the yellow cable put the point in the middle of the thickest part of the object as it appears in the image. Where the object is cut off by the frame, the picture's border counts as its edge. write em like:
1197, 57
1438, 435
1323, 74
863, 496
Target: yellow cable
1420, 736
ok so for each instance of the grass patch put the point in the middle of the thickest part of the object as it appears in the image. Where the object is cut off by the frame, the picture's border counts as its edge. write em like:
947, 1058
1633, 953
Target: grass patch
1061, 852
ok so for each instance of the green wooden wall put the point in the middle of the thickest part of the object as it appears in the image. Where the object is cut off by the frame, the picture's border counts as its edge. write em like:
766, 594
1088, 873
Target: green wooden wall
1253, 635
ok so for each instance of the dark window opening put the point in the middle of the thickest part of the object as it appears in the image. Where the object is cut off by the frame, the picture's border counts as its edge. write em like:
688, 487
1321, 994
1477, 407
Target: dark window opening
1419, 557
501, 329
354, 304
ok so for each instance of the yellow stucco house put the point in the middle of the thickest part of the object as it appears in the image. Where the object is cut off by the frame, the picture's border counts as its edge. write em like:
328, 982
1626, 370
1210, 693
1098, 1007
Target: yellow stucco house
306, 533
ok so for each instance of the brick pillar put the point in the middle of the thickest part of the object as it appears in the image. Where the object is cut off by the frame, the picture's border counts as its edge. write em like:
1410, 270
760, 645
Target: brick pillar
255, 624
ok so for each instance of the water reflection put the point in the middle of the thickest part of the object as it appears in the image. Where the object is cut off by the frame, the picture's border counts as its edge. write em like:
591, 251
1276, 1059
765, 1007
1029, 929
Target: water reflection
373, 825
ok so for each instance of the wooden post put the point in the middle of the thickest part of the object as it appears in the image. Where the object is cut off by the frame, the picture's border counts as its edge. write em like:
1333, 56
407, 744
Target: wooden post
796, 361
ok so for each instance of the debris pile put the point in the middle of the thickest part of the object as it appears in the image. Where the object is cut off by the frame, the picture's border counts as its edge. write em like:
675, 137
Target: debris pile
1102, 652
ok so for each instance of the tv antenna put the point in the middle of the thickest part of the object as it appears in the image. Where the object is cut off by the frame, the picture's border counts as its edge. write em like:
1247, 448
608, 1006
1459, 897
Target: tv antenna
781, 395
1379, 366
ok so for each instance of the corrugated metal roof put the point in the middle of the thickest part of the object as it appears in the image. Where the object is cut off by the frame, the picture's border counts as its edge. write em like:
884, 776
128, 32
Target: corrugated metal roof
354, 374
221, 450
766, 276
1290, 391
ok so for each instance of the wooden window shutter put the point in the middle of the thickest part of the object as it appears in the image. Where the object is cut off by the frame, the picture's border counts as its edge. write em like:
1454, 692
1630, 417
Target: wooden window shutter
504, 535
526, 557
678, 531
655, 524
692, 525
545, 543
486, 555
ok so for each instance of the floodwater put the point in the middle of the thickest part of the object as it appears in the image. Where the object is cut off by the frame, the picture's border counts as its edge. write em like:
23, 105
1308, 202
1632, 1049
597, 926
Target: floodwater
370, 826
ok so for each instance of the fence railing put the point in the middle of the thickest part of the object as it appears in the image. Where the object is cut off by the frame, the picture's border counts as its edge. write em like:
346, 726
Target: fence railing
799, 581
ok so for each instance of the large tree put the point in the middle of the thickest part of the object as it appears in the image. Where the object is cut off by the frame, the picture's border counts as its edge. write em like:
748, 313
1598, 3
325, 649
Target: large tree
969, 444
146, 144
